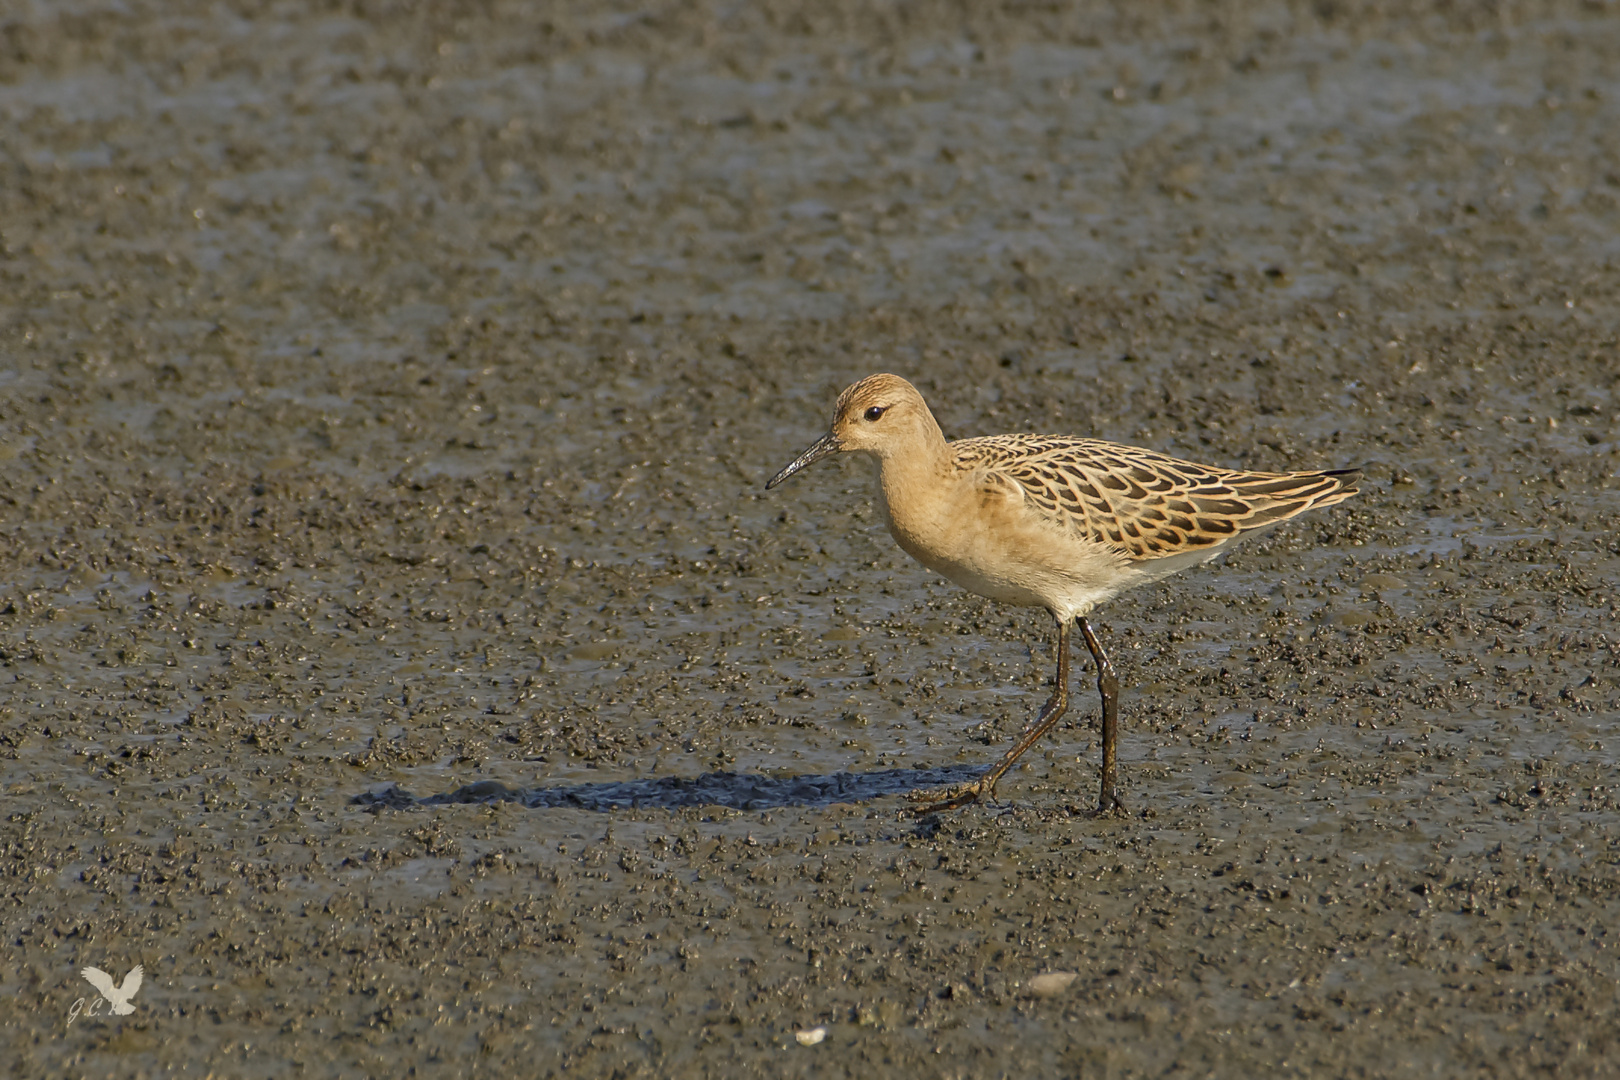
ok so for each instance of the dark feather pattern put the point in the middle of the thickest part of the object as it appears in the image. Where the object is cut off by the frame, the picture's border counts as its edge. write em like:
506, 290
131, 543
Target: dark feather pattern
1144, 504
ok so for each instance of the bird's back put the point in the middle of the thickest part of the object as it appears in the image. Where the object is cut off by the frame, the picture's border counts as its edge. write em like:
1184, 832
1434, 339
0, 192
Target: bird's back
1143, 505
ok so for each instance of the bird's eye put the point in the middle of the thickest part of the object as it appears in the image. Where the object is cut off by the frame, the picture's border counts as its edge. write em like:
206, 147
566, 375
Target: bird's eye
874, 414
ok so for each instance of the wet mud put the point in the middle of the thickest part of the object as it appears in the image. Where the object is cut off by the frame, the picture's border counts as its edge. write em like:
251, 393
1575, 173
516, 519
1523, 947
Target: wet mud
400, 658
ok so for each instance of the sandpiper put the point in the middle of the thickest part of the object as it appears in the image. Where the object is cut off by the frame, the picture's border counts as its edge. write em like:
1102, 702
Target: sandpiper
1051, 521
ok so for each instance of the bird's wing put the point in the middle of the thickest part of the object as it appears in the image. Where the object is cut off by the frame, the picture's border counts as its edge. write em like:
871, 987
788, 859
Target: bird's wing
132, 982
101, 981
1146, 505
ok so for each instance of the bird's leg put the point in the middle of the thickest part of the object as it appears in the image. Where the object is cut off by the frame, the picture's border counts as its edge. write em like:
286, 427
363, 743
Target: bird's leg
1054, 708
1108, 687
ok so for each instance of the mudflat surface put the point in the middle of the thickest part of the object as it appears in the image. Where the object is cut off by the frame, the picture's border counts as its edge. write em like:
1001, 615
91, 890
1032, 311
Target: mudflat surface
400, 658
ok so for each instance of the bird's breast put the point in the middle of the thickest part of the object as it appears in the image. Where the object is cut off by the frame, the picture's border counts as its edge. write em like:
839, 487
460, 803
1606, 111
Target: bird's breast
980, 533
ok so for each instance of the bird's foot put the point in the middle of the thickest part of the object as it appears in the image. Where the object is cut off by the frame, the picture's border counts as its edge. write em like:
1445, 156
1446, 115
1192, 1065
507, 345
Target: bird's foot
937, 802
1110, 805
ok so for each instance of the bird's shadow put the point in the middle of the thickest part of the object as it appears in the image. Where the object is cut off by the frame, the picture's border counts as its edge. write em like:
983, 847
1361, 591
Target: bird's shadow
738, 791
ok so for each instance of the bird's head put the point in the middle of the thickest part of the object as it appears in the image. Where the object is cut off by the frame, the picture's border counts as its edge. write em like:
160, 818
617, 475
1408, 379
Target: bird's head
881, 415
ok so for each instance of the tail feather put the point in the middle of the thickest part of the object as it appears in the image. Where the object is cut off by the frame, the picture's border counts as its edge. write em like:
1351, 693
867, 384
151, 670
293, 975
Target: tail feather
1293, 493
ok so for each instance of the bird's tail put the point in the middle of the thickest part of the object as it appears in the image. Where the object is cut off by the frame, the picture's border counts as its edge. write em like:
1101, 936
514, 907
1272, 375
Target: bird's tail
1278, 496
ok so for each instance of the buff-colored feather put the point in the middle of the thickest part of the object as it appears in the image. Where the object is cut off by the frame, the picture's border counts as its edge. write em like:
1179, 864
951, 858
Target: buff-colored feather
1051, 521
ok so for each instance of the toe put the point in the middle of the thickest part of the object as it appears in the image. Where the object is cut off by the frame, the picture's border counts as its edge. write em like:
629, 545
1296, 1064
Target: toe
936, 802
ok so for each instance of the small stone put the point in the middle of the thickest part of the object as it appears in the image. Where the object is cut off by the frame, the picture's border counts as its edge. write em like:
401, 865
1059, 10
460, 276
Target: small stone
810, 1036
1052, 983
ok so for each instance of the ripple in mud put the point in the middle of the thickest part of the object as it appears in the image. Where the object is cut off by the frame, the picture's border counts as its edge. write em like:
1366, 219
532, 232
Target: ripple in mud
739, 791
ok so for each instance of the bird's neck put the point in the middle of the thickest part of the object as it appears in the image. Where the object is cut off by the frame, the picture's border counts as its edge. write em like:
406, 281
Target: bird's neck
909, 485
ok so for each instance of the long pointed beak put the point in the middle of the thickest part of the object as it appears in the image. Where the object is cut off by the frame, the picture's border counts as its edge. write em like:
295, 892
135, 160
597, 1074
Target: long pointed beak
827, 444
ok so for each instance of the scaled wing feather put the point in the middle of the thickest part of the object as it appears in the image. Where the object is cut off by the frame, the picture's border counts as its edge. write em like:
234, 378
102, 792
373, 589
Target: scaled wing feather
1143, 504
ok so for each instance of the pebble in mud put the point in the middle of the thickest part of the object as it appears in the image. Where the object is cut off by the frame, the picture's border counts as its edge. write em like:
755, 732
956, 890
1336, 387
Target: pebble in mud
357, 372
1052, 983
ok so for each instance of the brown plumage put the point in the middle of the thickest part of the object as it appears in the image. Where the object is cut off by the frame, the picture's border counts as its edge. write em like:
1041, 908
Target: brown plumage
1144, 504
1054, 522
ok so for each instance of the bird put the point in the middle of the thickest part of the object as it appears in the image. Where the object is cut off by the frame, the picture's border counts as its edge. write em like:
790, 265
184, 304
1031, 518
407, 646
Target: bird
117, 996
1051, 521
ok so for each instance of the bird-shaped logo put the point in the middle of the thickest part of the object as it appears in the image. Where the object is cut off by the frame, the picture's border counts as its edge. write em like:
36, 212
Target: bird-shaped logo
117, 995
